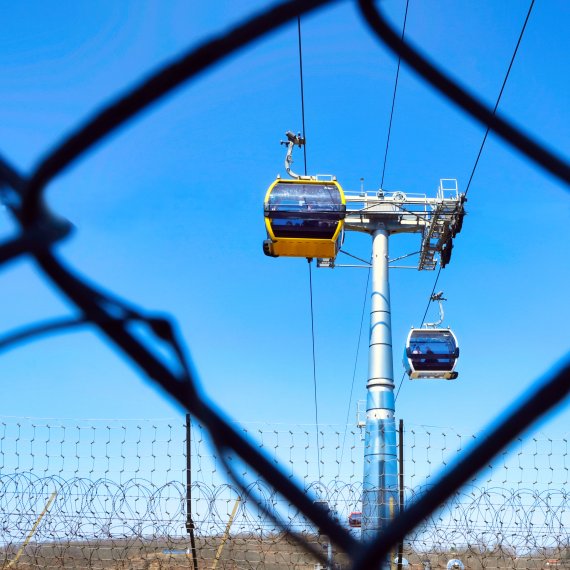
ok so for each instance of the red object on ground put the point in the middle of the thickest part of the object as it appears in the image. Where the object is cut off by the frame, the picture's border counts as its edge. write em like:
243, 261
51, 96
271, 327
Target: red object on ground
355, 519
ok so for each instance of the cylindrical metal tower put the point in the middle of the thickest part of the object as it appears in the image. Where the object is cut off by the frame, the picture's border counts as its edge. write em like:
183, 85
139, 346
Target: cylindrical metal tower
380, 485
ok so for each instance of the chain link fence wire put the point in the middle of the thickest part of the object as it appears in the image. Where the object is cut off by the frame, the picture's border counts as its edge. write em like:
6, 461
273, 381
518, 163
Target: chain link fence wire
120, 497
40, 229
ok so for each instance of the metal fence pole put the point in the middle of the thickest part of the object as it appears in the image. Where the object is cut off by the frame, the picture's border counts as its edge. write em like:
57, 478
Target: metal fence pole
189, 521
401, 476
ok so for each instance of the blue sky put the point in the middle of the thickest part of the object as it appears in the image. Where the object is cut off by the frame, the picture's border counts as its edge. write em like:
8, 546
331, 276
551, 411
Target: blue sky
168, 211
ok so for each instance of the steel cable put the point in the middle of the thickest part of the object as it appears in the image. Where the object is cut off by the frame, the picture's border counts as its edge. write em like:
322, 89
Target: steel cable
513, 56
302, 85
459, 95
499, 97
315, 397
394, 99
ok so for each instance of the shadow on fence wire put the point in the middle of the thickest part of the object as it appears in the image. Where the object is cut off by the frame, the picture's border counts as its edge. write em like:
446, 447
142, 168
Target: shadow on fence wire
40, 229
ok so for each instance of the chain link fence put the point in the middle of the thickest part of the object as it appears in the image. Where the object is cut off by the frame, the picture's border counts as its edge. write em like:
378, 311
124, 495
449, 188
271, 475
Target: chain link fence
114, 494
62, 509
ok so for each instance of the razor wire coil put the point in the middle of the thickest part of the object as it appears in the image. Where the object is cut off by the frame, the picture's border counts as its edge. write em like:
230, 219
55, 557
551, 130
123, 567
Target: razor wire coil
123, 516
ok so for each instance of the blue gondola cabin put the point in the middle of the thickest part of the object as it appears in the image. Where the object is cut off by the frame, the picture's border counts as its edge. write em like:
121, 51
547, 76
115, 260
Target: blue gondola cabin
431, 353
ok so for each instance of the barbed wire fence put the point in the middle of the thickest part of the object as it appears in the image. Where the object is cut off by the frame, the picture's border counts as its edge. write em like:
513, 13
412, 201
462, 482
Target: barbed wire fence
273, 489
119, 496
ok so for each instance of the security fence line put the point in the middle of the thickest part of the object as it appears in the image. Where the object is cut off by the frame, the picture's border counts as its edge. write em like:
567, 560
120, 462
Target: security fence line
120, 497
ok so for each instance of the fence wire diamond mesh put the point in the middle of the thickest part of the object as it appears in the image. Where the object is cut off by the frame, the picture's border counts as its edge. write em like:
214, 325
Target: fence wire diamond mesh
40, 229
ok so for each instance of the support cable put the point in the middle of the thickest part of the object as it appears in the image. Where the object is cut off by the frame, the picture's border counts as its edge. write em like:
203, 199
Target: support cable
536, 152
480, 151
394, 99
309, 259
147, 92
500, 95
302, 92
423, 321
355, 257
390, 131
431, 295
314, 367
354, 371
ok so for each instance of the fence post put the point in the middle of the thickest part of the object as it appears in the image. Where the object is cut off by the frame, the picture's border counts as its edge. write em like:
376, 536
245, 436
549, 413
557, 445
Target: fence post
401, 485
189, 521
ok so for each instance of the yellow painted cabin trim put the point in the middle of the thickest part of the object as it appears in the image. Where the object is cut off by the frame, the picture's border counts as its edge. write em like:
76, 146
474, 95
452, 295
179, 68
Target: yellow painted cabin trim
296, 247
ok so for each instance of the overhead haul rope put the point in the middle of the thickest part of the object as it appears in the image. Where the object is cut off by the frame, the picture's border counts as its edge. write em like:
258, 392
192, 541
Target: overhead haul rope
423, 321
309, 259
363, 260
479, 153
500, 95
354, 370
302, 92
314, 366
390, 129
394, 99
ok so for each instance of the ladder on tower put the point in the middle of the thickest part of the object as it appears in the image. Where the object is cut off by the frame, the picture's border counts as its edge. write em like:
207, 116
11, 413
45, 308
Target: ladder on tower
445, 221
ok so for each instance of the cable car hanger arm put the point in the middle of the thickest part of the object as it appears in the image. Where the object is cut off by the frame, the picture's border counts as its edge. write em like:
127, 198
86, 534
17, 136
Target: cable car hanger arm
439, 298
292, 141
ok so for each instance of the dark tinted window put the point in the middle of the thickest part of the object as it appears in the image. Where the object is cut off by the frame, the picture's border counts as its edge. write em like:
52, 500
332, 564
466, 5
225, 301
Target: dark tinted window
305, 198
304, 228
432, 350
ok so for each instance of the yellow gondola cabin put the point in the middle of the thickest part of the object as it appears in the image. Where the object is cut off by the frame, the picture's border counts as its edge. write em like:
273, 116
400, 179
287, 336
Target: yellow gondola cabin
304, 218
